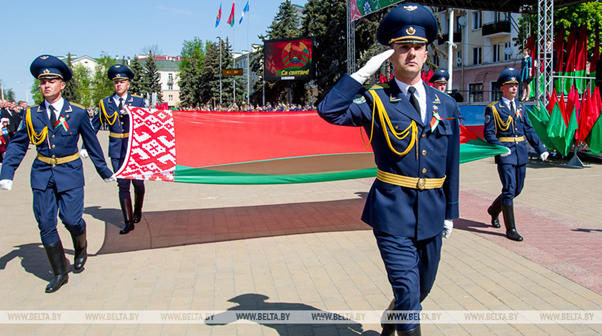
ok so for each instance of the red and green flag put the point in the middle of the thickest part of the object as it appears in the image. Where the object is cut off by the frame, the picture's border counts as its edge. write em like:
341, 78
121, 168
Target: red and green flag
231, 17
556, 130
571, 60
254, 148
581, 60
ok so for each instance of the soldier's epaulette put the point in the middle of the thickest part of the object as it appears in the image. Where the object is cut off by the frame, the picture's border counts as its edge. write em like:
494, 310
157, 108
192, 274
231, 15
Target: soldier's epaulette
377, 86
137, 96
490, 105
78, 105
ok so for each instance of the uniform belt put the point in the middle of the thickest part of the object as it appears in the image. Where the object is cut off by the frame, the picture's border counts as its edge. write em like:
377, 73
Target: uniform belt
512, 139
119, 135
56, 161
410, 182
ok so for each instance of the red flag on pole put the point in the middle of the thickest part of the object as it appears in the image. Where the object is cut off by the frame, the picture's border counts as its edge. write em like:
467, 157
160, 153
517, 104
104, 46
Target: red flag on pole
231, 18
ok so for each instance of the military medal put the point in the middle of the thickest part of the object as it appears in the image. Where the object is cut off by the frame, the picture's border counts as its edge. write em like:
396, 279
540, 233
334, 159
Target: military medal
62, 121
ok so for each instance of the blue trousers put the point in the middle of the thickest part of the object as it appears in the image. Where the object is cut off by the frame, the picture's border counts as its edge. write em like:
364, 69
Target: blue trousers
124, 184
411, 268
70, 206
513, 181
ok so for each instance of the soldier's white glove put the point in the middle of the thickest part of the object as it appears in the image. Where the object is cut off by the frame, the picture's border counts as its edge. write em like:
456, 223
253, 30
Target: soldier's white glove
83, 153
544, 156
6, 184
448, 226
371, 66
124, 111
111, 179
506, 154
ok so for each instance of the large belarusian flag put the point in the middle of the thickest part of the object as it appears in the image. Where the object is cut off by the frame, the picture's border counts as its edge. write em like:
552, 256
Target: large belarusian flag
254, 148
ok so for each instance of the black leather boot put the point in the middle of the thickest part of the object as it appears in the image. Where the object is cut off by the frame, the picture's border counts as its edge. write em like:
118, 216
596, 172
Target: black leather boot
508, 210
413, 332
138, 200
80, 245
494, 211
388, 328
126, 208
58, 264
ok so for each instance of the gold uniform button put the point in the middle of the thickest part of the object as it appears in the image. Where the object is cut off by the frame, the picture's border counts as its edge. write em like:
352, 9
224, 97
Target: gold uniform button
424, 135
396, 127
424, 170
53, 135
423, 152
53, 156
52, 146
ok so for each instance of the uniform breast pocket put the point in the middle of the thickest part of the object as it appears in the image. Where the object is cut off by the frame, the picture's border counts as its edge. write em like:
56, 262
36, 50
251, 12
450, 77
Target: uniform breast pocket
400, 134
442, 135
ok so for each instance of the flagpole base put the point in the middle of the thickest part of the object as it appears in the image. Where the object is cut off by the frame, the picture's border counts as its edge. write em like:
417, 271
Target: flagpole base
575, 162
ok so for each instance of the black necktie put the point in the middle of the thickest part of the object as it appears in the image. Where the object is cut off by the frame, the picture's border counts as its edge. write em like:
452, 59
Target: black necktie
414, 100
52, 115
512, 107
120, 104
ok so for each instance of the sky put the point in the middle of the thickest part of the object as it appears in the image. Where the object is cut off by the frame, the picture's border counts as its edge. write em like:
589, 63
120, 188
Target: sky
31, 28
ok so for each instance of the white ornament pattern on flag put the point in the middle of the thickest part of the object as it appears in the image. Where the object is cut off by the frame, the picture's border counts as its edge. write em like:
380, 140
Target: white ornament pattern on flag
152, 146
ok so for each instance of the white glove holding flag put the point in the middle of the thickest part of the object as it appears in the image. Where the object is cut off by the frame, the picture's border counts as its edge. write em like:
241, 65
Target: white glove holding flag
6, 184
83, 153
124, 111
544, 156
111, 179
448, 226
371, 66
506, 154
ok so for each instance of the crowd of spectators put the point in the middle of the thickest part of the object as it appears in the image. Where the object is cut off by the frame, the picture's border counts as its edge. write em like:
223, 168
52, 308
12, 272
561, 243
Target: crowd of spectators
251, 107
10, 118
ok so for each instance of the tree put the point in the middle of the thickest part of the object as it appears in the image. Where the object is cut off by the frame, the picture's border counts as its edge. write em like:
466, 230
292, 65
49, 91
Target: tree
83, 89
210, 74
228, 82
136, 82
36, 95
9, 95
150, 82
190, 85
193, 49
154, 49
102, 86
70, 90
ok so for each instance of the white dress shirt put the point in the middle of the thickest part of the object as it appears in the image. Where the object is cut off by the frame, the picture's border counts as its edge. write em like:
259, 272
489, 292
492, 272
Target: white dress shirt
116, 99
508, 103
420, 94
58, 107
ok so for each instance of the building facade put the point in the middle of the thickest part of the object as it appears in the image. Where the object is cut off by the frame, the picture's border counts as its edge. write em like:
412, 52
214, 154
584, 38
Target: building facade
484, 46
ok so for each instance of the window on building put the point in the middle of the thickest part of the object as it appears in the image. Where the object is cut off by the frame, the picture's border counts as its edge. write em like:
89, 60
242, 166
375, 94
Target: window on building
170, 97
170, 77
495, 56
507, 57
475, 92
477, 56
170, 87
496, 91
477, 20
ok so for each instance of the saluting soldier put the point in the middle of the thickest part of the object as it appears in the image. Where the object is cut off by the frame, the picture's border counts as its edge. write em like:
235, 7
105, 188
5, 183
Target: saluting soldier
414, 132
507, 124
57, 176
112, 112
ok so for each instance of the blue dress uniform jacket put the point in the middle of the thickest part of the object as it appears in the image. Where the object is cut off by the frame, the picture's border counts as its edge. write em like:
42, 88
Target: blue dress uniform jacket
520, 126
390, 208
58, 143
117, 146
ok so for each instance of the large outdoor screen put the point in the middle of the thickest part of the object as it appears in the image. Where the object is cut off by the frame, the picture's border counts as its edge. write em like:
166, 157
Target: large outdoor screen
288, 59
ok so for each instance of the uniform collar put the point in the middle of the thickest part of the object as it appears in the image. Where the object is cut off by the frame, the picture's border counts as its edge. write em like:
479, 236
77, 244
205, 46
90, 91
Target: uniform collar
58, 105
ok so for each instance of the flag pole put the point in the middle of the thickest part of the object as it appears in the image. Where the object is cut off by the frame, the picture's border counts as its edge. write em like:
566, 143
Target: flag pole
220, 66
248, 59
234, 52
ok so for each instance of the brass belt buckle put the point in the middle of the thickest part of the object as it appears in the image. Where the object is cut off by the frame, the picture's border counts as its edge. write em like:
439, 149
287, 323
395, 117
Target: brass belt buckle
53, 162
421, 183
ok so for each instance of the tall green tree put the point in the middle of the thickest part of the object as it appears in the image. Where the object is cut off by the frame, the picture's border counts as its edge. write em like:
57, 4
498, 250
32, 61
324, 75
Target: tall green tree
70, 90
136, 82
102, 86
194, 49
36, 94
83, 90
190, 85
151, 83
209, 75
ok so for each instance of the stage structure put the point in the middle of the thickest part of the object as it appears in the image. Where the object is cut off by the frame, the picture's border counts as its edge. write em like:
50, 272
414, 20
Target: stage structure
356, 9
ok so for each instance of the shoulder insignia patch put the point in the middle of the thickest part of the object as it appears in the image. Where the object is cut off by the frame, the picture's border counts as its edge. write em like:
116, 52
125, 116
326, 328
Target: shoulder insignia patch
359, 99
21, 125
487, 118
